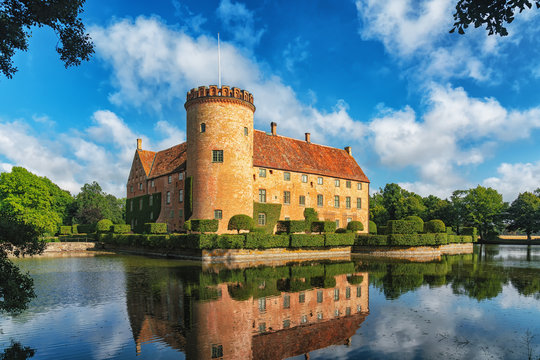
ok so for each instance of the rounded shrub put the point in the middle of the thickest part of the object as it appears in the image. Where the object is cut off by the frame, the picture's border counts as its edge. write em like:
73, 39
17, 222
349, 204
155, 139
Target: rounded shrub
372, 227
434, 226
104, 225
341, 231
418, 222
355, 226
241, 222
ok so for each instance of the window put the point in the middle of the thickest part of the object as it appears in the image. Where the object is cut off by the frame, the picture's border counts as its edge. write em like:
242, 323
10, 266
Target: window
171, 214
347, 293
348, 202
337, 224
349, 220
348, 184
151, 215
336, 201
302, 200
286, 323
180, 195
262, 327
287, 218
301, 297
287, 176
262, 219
217, 156
358, 308
262, 172
336, 294
140, 204
181, 176
168, 197
348, 311
181, 213
169, 179
140, 186
303, 319
320, 201
358, 203
304, 178
287, 197
319, 296
131, 189
218, 214
286, 301
152, 183
262, 195
336, 312
131, 205
203, 127
262, 304
359, 186
320, 180
358, 291
150, 200
245, 131
319, 316
217, 351
336, 182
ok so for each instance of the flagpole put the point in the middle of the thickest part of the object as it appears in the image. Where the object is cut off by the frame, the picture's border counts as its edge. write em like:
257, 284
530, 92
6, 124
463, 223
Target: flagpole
219, 62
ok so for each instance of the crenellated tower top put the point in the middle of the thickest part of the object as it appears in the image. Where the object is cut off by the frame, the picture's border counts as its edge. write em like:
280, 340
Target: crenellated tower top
215, 93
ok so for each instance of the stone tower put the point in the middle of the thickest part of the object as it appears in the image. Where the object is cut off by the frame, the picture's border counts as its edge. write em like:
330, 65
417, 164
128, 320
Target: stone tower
220, 152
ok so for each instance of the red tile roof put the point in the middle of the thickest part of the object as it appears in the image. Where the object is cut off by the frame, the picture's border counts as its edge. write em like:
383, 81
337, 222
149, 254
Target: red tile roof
283, 153
169, 160
147, 158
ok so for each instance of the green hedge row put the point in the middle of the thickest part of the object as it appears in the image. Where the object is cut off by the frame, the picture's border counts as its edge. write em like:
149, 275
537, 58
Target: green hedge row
323, 226
431, 239
306, 240
291, 226
266, 241
333, 239
371, 240
401, 227
204, 225
155, 228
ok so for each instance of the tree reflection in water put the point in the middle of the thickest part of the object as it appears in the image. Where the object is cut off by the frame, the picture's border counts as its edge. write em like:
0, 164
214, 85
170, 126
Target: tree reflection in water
17, 352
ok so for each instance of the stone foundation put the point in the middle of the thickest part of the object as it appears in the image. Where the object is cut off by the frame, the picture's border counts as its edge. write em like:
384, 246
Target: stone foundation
416, 253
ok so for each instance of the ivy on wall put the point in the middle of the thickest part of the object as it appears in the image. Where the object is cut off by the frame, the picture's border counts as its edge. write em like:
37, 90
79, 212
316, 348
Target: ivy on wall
272, 211
188, 200
137, 215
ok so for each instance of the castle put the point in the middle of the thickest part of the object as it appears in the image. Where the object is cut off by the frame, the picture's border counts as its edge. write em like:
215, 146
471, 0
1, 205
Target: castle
227, 168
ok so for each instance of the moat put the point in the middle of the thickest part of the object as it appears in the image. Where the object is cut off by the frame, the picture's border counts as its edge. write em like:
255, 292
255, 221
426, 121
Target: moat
481, 305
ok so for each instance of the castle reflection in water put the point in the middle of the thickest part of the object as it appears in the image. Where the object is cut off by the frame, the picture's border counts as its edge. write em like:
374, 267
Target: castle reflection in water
252, 313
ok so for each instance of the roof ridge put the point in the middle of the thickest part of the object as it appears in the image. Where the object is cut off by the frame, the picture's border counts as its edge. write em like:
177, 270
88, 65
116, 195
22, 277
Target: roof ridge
299, 140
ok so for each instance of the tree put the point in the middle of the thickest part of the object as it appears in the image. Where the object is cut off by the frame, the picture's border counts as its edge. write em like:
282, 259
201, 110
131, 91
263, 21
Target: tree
484, 209
241, 222
524, 214
92, 205
494, 14
30, 206
17, 17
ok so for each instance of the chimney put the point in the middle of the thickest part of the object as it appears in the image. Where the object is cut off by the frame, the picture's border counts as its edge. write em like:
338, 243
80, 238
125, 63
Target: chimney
139, 144
348, 150
308, 137
273, 126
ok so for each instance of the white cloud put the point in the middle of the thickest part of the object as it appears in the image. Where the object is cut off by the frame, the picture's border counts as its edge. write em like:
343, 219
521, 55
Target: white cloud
295, 52
455, 130
5, 167
515, 178
239, 22
172, 135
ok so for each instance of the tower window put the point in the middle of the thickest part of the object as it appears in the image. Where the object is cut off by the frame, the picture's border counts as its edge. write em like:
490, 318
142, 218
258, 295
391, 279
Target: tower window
246, 131
217, 156
217, 351
203, 127
218, 214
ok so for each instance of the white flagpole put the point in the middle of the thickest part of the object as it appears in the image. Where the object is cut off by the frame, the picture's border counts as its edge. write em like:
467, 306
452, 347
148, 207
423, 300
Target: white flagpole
219, 62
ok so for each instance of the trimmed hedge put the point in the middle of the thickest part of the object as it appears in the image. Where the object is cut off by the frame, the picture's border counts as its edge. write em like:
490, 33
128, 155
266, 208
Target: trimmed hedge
307, 271
205, 225
371, 240
472, 231
227, 241
155, 228
333, 239
121, 228
339, 268
382, 230
434, 226
342, 231
323, 226
65, 230
240, 222
355, 226
419, 223
306, 240
257, 240
310, 215
104, 225
401, 227
75, 229
291, 226
372, 227
86, 228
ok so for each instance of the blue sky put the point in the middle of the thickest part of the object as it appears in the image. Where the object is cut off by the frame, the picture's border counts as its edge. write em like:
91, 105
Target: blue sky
432, 111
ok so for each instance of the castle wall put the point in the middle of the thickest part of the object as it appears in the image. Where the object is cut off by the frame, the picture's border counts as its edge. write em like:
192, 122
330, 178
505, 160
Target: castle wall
136, 179
275, 185
172, 213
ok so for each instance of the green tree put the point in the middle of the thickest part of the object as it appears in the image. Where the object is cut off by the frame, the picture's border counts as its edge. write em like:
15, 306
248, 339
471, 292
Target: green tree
241, 222
30, 206
524, 214
377, 211
92, 204
17, 17
493, 14
484, 209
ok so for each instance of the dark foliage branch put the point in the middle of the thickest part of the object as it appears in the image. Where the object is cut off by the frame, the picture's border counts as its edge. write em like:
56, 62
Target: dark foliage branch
493, 14
17, 17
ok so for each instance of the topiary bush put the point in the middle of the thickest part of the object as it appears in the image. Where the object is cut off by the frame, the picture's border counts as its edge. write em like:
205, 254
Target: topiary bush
155, 228
205, 225
372, 227
401, 227
121, 228
371, 240
417, 221
75, 229
434, 226
104, 226
323, 226
187, 225
355, 226
65, 230
310, 215
240, 222
341, 231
